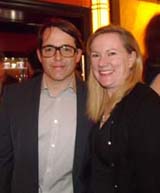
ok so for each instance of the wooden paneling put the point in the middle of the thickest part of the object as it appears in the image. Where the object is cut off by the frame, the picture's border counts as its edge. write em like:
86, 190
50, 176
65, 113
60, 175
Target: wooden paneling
13, 42
115, 11
83, 3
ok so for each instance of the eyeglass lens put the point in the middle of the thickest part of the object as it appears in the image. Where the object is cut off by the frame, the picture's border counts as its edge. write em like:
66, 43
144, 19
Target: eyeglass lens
65, 50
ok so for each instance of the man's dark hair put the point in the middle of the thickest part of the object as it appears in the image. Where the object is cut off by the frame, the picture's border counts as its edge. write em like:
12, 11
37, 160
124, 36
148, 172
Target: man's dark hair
63, 25
34, 62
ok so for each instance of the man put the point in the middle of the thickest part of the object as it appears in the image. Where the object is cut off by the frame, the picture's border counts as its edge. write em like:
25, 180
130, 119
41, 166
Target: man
43, 126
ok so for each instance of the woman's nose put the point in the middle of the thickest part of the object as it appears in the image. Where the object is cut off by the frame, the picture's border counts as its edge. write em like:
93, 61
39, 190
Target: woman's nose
103, 60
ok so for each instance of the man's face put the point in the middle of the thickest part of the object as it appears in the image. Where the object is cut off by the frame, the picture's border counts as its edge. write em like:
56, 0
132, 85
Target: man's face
58, 67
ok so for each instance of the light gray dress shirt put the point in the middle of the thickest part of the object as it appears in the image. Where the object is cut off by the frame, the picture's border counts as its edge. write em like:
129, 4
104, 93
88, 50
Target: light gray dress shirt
57, 130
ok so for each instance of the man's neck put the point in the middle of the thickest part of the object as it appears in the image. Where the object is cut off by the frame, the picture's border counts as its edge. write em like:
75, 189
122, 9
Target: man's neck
56, 87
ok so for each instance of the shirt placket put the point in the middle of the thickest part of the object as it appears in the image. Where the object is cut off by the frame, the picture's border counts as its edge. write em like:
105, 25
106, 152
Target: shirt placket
49, 173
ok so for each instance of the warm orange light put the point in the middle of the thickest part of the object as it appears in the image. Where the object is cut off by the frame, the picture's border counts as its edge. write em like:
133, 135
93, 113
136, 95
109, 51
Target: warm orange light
100, 13
145, 12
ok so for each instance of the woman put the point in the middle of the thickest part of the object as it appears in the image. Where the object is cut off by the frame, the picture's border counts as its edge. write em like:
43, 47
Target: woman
125, 141
152, 53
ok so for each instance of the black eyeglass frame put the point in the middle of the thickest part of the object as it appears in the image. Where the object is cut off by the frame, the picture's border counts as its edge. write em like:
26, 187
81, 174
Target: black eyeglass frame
59, 49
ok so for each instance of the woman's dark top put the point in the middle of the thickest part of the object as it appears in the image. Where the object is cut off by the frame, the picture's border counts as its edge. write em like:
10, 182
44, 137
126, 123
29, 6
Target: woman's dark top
125, 152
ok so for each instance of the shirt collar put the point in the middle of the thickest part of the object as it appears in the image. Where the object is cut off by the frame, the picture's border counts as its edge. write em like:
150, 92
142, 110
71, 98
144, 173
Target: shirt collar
71, 85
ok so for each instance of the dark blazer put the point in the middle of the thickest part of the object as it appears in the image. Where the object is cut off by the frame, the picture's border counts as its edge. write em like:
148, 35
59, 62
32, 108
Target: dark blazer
125, 152
19, 136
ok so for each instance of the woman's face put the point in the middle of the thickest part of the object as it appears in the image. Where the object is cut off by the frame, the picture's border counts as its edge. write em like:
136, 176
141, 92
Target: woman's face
111, 63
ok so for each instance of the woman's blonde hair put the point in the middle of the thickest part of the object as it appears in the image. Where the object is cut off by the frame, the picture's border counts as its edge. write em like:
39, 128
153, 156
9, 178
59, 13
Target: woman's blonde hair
98, 100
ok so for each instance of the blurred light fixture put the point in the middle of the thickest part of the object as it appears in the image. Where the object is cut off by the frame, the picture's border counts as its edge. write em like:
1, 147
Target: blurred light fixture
100, 13
11, 14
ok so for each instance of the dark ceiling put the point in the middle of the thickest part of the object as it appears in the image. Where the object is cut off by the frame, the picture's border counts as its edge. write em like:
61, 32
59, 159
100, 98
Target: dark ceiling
21, 21
26, 16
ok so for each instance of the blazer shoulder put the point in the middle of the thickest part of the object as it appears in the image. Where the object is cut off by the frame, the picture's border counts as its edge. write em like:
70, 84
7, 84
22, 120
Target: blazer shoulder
19, 90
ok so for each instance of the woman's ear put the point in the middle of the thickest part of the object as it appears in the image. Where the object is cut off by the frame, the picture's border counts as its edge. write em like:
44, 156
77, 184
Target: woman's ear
132, 58
79, 55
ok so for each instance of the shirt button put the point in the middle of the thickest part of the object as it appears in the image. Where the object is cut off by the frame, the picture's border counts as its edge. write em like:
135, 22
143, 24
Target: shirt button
112, 164
109, 143
53, 145
112, 122
115, 186
48, 170
55, 121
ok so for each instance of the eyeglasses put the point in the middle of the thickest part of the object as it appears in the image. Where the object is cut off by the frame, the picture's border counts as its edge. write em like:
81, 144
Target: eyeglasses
65, 51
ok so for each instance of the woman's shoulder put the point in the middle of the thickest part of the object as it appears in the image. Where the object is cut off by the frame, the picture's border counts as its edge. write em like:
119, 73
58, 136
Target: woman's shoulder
141, 99
144, 99
142, 90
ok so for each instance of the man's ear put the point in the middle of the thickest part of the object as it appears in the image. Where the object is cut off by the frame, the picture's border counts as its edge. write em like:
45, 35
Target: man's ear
39, 55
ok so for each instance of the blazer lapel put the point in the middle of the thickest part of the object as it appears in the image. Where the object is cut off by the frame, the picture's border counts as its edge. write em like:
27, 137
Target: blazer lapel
81, 133
35, 100
32, 129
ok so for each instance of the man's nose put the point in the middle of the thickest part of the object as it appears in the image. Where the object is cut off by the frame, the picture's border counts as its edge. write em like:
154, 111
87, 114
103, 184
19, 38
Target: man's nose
58, 55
